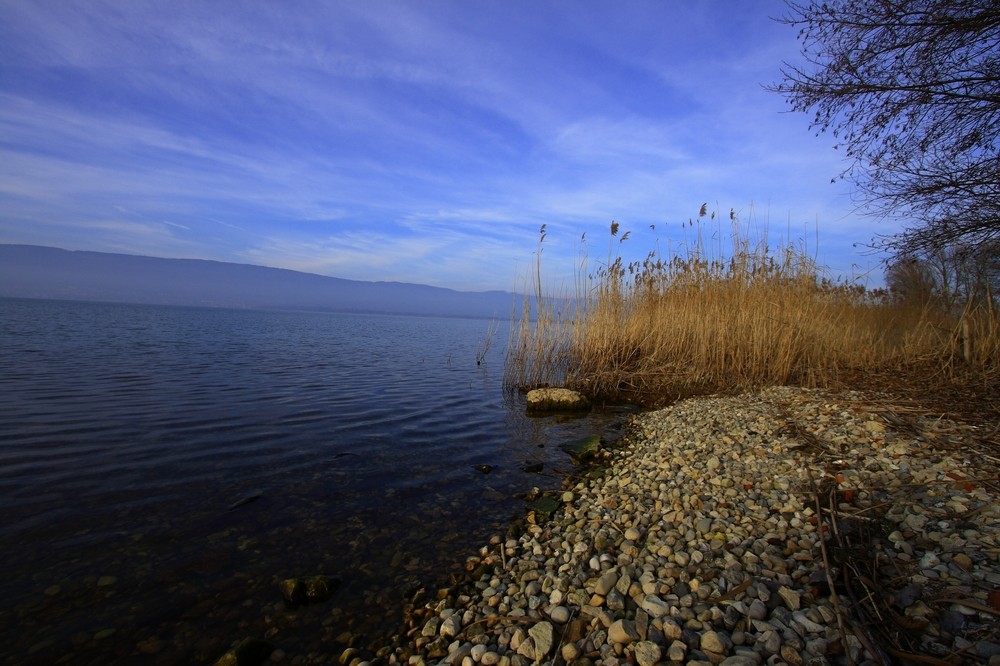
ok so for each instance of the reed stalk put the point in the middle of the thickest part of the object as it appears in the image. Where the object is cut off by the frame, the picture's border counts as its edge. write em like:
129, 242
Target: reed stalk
710, 321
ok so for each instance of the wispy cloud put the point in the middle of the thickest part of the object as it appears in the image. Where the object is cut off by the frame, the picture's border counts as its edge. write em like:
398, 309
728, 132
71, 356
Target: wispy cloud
416, 142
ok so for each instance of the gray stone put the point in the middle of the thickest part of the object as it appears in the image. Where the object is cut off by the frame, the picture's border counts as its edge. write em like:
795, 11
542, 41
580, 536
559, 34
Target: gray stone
772, 642
615, 600
460, 652
740, 660
986, 649
560, 614
757, 610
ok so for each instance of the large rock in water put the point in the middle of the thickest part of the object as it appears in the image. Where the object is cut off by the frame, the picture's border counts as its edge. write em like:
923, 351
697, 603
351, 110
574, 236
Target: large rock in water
556, 400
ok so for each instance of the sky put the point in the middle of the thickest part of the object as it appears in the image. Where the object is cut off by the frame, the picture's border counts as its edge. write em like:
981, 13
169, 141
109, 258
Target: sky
419, 141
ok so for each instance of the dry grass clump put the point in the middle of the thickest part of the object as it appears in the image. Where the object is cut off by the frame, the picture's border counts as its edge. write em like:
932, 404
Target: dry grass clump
663, 328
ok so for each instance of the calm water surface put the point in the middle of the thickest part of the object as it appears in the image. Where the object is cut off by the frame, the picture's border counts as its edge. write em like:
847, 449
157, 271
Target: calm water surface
162, 469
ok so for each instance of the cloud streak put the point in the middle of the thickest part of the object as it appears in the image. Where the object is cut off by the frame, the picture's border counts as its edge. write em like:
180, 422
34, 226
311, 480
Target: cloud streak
421, 143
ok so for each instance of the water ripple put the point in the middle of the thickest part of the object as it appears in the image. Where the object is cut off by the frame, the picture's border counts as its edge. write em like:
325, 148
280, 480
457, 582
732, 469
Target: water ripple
128, 434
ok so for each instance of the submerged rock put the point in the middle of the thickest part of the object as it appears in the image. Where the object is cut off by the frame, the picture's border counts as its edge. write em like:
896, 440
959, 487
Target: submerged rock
250, 652
584, 449
556, 400
314, 589
544, 507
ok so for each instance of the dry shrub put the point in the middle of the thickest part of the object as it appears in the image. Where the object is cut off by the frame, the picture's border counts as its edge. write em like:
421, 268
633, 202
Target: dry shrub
664, 328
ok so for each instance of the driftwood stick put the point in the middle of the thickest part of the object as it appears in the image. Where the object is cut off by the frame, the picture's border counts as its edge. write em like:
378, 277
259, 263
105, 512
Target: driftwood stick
829, 574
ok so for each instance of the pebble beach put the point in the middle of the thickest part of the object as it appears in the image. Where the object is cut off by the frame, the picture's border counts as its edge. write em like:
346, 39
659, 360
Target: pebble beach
788, 526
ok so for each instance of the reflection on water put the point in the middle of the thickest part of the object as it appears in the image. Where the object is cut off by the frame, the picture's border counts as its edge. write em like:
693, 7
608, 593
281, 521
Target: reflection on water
162, 469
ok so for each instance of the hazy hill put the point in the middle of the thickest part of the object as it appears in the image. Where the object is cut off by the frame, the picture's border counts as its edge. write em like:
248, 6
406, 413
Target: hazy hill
31, 271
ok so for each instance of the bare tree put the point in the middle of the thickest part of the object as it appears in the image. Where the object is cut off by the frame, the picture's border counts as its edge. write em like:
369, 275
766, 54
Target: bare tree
911, 90
911, 280
951, 277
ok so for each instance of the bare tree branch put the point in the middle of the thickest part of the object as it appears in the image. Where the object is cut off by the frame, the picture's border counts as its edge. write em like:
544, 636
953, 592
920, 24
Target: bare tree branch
911, 90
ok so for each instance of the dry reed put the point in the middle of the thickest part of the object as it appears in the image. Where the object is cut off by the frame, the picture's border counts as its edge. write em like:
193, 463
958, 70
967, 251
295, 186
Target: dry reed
663, 328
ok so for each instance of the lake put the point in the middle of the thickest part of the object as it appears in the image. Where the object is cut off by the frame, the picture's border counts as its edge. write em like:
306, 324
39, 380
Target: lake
162, 469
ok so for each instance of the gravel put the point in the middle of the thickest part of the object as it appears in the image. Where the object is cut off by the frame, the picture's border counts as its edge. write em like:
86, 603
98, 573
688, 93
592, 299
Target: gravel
700, 542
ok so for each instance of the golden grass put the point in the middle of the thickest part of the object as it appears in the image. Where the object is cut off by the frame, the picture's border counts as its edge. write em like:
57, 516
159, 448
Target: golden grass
663, 328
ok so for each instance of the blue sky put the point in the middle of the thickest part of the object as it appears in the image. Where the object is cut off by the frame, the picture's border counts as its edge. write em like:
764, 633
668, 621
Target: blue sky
413, 141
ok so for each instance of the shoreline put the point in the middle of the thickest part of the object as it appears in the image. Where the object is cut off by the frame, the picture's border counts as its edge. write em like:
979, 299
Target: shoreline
700, 544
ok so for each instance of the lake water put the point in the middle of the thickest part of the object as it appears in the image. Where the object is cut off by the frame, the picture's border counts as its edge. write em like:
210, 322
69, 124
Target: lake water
163, 468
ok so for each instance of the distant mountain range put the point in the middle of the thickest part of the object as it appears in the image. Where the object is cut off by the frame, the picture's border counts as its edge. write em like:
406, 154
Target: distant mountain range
32, 271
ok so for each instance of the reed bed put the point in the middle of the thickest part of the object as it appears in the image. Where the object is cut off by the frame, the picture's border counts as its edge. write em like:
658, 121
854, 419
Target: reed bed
667, 327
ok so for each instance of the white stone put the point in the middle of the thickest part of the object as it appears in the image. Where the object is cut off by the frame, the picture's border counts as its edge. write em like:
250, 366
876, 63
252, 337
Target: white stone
458, 652
808, 625
655, 606
451, 626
